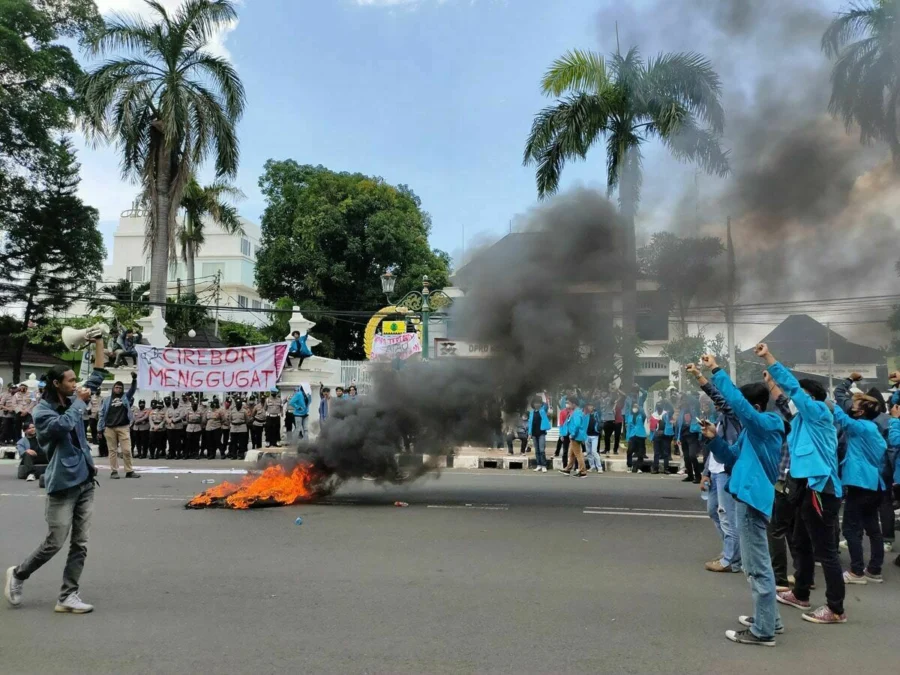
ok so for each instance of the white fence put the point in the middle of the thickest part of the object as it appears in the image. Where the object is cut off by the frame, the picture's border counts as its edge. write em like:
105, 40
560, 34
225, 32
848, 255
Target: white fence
358, 373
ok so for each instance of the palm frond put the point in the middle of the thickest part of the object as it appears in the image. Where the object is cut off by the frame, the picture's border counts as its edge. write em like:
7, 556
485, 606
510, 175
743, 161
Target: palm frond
699, 146
576, 70
686, 78
859, 20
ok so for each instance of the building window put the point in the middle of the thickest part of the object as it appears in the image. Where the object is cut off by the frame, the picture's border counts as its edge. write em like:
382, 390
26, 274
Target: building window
245, 246
242, 301
136, 275
257, 304
209, 270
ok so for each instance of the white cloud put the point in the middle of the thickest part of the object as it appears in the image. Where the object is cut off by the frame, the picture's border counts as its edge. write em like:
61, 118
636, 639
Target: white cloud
140, 8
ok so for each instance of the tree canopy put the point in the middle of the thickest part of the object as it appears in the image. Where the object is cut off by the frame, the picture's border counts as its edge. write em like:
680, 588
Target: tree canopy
326, 239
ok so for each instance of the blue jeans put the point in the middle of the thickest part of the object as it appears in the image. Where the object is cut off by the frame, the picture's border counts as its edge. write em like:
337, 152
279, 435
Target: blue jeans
720, 508
540, 449
751, 525
591, 456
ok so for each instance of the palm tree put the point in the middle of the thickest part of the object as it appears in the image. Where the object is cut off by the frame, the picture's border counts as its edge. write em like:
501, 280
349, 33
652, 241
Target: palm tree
168, 104
865, 88
199, 203
673, 98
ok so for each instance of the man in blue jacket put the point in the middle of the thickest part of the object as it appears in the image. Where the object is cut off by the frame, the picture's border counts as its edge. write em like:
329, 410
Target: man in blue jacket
576, 429
70, 483
752, 464
861, 478
812, 442
299, 403
538, 426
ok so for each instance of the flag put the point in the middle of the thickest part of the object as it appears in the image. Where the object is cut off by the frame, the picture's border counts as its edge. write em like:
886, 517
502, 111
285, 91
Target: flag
393, 327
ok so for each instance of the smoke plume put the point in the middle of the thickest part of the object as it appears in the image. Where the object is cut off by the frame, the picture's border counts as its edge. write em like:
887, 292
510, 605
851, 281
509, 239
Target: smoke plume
530, 300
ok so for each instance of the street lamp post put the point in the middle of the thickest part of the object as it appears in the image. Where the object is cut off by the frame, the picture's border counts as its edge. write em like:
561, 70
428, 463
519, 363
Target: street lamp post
423, 302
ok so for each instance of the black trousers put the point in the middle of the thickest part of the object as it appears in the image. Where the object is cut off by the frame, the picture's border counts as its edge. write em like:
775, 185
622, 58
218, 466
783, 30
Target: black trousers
273, 431
861, 509
611, 430
690, 446
662, 452
780, 533
226, 435
510, 439
256, 434
637, 451
141, 442
36, 464
886, 512
238, 445
176, 443
102, 448
297, 356
157, 444
192, 444
563, 444
6, 431
213, 442
814, 541
90, 425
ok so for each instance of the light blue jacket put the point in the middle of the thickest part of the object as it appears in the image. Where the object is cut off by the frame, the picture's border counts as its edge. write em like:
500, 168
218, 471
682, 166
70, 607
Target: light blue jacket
753, 460
865, 452
300, 403
813, 437
545, 421
23, 446
576, 426
694, 427
300, 347
128, 397
665, 427
894, 442
635, 424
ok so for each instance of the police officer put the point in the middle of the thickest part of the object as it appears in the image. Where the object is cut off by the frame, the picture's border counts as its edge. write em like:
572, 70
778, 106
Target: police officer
157, 426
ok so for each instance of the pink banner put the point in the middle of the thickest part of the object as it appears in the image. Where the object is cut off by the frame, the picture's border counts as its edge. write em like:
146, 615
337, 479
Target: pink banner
205, 369
389, 347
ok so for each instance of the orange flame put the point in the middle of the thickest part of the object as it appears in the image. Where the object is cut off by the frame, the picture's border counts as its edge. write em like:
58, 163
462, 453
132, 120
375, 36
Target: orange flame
274, 485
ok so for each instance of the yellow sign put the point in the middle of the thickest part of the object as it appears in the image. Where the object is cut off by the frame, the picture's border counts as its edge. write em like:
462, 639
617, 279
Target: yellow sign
393, 327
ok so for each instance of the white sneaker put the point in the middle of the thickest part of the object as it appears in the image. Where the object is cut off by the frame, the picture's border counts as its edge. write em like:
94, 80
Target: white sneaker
12, 589
888, 546
543, 469
537, 469
844, 545
31, 477
850, 578
73, 605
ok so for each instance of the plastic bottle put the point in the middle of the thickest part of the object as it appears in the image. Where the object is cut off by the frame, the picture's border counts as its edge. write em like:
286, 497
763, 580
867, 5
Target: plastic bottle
704, 493
207, 481
400, 504
299, 521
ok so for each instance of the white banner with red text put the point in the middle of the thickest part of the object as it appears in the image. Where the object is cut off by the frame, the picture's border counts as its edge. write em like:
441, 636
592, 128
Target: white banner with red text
390, 347
211, 369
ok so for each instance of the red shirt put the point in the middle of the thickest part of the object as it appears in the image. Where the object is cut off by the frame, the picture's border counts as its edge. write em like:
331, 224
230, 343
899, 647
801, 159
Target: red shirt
563, 416
619, 418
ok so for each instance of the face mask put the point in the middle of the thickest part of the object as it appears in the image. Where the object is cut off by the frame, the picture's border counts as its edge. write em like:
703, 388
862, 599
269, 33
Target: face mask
239, 405
141, 406
168, 401
634, 410
175, 403
194, 407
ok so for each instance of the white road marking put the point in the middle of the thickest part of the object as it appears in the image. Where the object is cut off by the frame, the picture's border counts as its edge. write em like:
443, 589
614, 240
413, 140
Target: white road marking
621, 508
161, 499
471, 507
21, 494
644, 513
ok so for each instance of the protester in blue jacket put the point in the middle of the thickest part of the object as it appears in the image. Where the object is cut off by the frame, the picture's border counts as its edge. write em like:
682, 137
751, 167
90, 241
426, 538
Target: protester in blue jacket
861, 478
300, 403
538, 426
636, 430
687, 437
575, 428
813, 447
752, 465
69, 481
298, 349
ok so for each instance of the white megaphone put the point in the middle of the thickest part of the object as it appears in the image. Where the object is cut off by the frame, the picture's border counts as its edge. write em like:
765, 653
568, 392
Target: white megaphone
75, 339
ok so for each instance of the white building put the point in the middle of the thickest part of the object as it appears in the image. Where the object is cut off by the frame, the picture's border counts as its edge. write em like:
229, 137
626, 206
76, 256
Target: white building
233, 257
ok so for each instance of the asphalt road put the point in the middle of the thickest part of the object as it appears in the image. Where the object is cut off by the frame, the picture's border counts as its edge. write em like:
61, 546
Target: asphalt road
485, 572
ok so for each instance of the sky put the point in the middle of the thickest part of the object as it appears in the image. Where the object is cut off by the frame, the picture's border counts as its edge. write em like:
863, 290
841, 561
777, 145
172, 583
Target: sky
440, 95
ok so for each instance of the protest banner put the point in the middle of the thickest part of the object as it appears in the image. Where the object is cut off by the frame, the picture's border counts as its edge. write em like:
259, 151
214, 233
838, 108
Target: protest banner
211, 369
389, 347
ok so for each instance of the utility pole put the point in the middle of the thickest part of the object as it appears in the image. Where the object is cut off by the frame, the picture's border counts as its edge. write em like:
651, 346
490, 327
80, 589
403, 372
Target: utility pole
218, 280
178, 290
729, 306
830, 359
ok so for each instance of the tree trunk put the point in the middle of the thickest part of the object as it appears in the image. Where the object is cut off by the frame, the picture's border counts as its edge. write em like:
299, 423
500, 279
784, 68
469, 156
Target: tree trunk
189, 263
159, 261
627, 207
19, 349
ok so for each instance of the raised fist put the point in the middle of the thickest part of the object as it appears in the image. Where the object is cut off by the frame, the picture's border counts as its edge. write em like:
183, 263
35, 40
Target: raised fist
895, 377
692, 369
761, 350
855, 377
709, 361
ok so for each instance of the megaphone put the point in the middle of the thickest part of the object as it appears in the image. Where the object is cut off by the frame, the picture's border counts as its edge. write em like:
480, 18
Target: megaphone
75, 339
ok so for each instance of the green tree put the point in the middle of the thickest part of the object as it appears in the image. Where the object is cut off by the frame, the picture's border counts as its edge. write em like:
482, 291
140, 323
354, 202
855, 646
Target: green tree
200, 202
673, 98
238, 334
168, 104
865, 89
326, 239
280, 321
682, 266
120, 302
185, 313
52, 245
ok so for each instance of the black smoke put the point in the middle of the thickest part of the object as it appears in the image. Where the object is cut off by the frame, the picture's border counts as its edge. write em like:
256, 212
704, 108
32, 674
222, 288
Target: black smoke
538, 299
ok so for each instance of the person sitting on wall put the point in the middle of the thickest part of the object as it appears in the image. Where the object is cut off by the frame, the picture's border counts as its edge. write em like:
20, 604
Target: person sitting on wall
298, 348
34, 460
